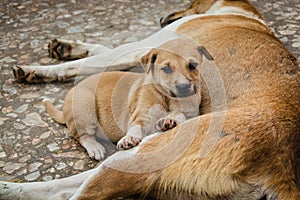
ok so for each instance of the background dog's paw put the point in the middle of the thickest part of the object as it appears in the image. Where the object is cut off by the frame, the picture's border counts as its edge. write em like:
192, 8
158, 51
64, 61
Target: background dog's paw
128, 142
63, 50
23, 76
18, 73
59, 50
164, 124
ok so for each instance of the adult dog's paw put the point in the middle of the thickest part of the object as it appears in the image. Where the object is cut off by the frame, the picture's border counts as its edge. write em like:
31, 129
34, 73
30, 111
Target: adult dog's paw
59, 50
23, 75
128, 142
63, 50
164, 124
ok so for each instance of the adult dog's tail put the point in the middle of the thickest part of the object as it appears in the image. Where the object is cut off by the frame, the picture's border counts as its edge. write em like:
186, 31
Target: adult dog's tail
54, 113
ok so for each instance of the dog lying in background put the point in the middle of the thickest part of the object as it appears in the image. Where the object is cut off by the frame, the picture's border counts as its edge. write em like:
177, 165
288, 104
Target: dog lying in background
245, 143
107, 105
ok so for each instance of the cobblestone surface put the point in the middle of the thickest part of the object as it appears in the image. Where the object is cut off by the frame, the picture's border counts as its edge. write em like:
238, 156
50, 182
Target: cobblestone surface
32, 146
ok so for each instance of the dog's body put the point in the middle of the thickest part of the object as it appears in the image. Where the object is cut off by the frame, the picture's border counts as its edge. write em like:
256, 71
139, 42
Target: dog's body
247, 151
111, 104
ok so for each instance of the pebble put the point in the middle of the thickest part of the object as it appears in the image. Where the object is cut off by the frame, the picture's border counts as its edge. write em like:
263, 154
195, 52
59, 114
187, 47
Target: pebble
45, 135
47, 178
25, 158
21, 108
34, 166
72, 154
32, 176
12, 167
34, 119
3, 119
7, 59
79, 164
29, 95
19, 126
52, 147
2, 154
61, 166
7, 109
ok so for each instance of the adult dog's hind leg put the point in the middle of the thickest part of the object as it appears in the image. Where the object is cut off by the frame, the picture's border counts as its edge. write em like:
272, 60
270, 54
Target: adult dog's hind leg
70, 50
123, 57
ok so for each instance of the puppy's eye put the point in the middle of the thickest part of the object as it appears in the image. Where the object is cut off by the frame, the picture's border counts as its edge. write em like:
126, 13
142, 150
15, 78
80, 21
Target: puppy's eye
167, 69
192, 66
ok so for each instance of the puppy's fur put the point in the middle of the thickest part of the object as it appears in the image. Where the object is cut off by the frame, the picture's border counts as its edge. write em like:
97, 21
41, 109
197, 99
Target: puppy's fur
250, 150
112, 104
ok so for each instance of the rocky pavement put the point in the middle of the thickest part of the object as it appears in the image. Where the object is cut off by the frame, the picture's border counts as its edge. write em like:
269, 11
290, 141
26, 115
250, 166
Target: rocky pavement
32, 146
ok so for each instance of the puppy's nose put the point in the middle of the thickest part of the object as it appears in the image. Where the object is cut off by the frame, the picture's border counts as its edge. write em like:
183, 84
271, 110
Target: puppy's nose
183, 88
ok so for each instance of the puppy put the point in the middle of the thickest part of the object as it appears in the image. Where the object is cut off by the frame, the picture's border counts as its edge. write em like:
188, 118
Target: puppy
124, 107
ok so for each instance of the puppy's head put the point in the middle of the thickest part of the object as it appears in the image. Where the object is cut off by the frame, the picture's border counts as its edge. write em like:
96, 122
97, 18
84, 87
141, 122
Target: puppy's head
177, 69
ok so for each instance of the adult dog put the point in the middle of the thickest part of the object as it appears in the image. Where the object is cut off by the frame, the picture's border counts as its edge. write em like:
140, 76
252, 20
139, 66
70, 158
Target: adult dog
243, 146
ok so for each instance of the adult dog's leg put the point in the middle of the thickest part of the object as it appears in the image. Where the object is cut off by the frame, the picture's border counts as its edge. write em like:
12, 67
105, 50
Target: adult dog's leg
123, 57
70, 50
60, 189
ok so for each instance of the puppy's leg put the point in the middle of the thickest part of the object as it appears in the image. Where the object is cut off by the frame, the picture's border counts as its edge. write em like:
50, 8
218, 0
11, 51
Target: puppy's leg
61, 189
143, 126
123, 57
169, 122
132, 138
92, 146
69, 50
81, 117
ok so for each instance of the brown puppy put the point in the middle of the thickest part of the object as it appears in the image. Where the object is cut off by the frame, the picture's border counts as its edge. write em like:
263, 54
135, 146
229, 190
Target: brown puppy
124, 107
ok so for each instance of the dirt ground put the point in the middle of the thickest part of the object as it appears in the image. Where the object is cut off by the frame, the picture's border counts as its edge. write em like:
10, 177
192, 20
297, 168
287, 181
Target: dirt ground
32, 146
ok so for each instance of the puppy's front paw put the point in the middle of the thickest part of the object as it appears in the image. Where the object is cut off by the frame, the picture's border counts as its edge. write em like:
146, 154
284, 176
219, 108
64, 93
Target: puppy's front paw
128, 142
94, 148
164, 124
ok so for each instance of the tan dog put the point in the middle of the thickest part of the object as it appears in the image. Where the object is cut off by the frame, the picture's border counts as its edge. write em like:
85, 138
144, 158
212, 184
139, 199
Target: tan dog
247, 151
112, 104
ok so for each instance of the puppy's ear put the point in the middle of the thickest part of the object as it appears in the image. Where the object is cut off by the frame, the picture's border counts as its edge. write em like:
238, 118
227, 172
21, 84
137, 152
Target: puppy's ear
204, 52
148, 61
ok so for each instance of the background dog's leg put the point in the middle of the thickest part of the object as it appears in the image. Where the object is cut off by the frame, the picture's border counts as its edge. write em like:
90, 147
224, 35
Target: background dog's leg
66, 71
61, 189
69, 50
123, 57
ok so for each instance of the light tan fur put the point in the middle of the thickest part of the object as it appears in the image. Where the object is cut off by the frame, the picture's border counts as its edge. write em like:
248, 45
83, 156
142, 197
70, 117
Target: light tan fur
124, 107
249, 150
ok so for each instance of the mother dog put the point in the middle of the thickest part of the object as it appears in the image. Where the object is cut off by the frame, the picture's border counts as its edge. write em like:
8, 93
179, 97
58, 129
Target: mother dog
249, 150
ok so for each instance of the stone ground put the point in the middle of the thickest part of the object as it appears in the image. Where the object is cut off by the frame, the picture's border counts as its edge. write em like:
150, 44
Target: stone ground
32, 146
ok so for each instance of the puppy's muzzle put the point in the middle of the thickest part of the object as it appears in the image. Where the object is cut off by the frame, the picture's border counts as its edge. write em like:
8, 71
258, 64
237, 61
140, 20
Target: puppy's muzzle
184, 90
